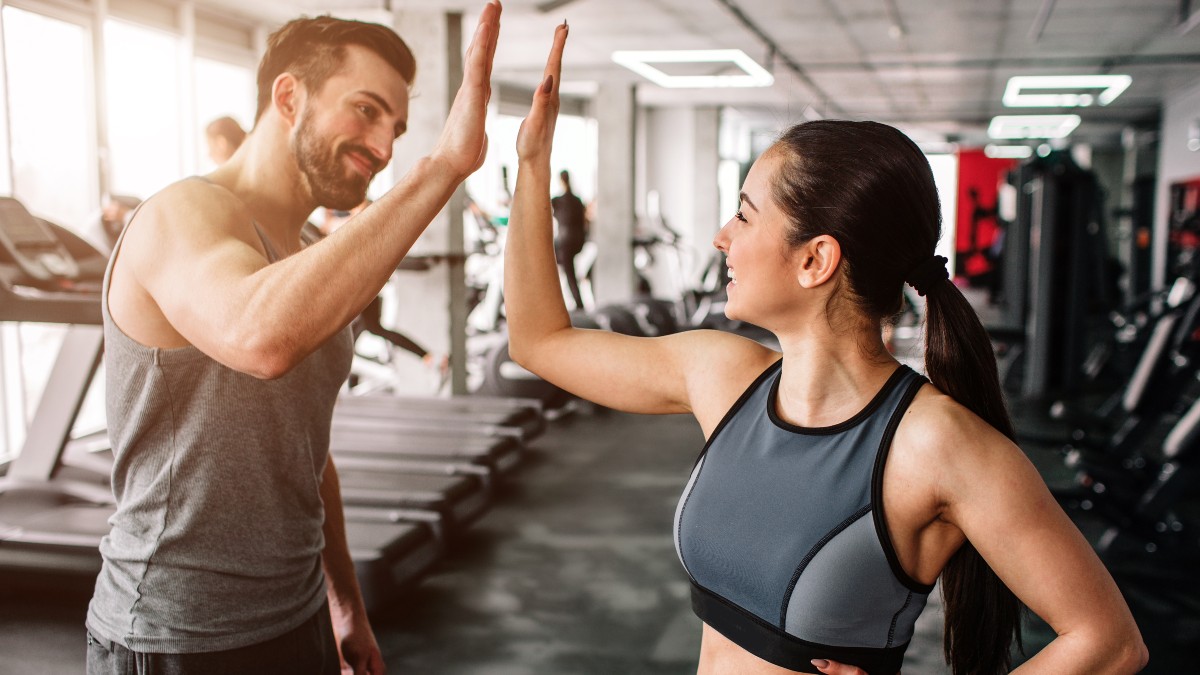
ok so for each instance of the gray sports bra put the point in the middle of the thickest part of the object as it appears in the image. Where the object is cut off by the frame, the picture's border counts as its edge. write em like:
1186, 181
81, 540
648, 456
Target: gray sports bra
782, 533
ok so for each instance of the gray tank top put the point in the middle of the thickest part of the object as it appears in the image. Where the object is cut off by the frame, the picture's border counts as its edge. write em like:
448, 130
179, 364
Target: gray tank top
216, 541
782, 533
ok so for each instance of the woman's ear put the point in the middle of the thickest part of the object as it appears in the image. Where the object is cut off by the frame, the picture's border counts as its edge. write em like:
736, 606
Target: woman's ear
817, 261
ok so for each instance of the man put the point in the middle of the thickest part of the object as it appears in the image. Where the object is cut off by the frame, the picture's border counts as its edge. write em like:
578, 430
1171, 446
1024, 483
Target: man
225, 347
571, 216
224, 136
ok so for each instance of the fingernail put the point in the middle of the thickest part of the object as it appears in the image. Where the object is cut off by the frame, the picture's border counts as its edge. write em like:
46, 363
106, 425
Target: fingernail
548, 84
820, 663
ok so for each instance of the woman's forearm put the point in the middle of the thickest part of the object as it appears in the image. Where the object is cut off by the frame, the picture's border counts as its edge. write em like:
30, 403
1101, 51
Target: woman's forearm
1085, 655
533, 300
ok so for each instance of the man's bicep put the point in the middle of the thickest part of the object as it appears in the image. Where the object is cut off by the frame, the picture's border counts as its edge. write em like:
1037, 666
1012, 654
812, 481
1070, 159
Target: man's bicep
198, 278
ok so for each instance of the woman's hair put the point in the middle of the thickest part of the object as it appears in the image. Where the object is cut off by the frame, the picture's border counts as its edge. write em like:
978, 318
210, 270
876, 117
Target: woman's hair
869, 187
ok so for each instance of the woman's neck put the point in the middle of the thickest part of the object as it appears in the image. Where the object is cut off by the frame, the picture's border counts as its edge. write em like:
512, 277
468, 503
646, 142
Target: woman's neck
828, 378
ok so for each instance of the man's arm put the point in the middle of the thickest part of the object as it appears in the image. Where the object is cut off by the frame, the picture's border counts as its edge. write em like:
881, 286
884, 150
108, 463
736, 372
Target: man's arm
194, 256
356, 641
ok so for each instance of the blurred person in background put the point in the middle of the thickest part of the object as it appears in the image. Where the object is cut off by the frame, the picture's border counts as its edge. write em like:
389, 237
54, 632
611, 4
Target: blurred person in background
224, 136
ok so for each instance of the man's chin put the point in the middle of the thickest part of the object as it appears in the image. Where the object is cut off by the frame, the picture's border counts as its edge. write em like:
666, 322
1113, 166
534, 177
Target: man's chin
343, 200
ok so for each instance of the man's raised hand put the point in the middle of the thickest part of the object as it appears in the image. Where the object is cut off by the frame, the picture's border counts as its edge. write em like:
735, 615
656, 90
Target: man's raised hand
463, 144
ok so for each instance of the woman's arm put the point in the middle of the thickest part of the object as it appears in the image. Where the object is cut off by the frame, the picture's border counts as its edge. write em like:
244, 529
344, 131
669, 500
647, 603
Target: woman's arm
645, 375
992, 492
983, 485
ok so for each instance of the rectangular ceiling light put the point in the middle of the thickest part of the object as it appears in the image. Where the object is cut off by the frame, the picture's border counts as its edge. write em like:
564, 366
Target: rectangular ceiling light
1032, 126
1063, 91
1007, 151
640, 62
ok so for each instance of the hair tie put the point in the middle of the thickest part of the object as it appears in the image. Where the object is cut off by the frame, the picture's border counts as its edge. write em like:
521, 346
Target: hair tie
929, 273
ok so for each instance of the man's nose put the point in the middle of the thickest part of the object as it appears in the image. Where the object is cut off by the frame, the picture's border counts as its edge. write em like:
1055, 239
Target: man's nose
380, 144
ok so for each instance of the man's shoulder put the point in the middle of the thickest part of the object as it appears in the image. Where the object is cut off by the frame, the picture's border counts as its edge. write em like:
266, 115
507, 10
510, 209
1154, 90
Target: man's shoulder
195, 193
186, 202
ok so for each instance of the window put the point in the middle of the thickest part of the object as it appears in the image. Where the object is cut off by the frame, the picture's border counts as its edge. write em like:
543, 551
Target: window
143, 99
576, 147
48, 72
51, 125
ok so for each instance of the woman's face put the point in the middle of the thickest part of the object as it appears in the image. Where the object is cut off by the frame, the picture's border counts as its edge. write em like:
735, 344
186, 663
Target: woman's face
754, 241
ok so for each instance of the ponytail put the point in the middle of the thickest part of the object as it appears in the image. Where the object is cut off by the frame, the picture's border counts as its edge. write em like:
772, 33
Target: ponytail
982, 615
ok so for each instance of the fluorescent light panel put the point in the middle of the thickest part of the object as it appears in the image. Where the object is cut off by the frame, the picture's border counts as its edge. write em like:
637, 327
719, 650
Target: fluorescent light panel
1007, 151
639, 62
1107, 87
1032, 126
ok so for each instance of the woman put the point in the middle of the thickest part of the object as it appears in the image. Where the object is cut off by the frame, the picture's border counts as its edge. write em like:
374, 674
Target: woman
836, 485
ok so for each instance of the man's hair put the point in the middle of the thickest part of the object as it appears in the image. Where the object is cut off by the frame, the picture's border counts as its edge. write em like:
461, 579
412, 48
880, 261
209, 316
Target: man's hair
227, 128
313, 49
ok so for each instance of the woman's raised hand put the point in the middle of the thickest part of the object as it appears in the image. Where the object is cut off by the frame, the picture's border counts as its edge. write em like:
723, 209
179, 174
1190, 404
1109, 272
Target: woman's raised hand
537, 131
463, 144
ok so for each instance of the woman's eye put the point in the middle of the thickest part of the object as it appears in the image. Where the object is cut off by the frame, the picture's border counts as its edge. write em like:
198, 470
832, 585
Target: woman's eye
739, 216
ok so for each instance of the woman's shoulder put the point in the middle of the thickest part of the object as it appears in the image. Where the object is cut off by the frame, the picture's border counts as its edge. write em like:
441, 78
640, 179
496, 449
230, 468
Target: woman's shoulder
937, 430
722, 366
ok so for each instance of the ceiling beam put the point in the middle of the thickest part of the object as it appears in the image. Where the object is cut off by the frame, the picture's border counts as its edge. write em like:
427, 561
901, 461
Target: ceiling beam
1188, 19
824, 98
1040, 21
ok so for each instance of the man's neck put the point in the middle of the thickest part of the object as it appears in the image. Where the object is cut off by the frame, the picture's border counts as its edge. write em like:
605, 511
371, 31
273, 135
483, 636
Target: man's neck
263, 173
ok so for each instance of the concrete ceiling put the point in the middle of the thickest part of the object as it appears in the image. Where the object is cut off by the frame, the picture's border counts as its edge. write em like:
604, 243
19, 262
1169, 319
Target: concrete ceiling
937, 68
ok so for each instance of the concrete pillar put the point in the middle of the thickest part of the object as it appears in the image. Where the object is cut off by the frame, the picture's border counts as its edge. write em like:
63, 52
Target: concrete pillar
614, 109
706, 208
681, 161
430, 306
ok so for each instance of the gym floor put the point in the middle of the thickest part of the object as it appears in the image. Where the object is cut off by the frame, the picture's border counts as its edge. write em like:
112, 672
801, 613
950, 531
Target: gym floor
573, 572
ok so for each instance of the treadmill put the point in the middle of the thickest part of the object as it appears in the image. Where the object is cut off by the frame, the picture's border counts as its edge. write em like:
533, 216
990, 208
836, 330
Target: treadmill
460, 412
50, 525
52, 519
496, 455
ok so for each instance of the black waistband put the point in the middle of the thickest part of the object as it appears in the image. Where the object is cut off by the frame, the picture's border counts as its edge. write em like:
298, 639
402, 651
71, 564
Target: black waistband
771, 644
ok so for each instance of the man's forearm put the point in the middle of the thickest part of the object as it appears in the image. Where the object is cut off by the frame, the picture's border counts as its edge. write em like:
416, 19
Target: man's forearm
310, 296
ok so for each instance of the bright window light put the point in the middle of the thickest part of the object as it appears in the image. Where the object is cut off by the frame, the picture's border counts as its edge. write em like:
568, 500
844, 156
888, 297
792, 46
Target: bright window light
1032, 126
1007, 151
1065, 91
144, 126
639, 62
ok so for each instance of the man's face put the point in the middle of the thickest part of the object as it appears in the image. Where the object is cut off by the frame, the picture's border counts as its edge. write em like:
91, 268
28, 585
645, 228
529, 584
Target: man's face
346, 129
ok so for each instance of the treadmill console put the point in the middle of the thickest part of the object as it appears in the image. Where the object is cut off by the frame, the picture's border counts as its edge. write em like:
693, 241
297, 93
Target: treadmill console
48, 274
33, 246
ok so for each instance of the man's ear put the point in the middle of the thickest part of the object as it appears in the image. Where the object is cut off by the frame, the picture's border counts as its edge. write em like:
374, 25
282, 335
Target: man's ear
817, 261
287, 95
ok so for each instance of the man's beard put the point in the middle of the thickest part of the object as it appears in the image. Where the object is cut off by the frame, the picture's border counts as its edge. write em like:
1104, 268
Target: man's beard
326, 171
